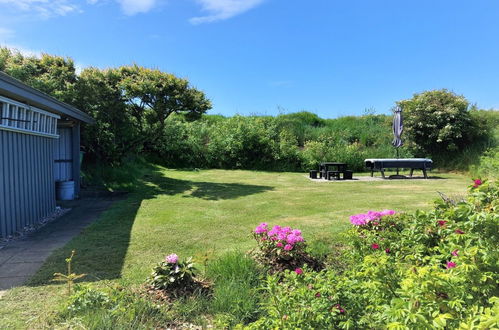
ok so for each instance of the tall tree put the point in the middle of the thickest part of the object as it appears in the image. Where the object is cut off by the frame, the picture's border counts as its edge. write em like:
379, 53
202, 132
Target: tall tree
156, 95
116, 132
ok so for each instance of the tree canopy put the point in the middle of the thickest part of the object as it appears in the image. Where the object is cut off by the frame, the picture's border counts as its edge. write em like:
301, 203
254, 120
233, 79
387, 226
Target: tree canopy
130, 103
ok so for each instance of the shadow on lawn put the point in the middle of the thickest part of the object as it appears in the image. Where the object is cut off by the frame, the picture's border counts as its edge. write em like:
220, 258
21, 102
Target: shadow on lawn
101, 247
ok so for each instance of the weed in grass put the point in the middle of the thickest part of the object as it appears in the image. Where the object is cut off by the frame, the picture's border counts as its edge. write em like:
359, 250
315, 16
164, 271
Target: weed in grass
115, 308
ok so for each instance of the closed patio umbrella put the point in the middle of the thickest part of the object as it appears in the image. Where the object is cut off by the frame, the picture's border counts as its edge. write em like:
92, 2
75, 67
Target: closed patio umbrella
398, 128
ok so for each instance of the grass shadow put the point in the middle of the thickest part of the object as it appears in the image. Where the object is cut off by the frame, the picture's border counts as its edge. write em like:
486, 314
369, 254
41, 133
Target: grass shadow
101, 247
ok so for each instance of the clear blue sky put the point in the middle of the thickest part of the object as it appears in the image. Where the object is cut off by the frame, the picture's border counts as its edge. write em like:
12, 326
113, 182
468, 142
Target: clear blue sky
258, 56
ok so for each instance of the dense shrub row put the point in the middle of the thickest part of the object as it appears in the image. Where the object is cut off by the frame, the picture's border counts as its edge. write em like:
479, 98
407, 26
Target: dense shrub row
291, 142
140, 111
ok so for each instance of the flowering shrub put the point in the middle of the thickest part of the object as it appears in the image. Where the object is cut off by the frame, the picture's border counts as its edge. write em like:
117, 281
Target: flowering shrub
282, 248
371, 217
172, 274
436, 269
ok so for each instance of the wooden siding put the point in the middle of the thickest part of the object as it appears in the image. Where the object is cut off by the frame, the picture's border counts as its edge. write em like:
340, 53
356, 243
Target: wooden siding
27, 188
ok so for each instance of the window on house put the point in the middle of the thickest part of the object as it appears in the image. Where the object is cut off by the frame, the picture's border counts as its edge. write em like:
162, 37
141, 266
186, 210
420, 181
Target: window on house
19, 117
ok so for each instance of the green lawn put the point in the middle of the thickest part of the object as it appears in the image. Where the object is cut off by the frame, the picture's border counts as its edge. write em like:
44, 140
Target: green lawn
204, 214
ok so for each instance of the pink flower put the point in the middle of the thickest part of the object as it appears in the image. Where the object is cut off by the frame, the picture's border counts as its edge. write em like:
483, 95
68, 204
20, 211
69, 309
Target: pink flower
441, 223
288, 247
375, 246
261, 228
293, 239
318, 294
387, 212
286, 230
364, 218
451, 264
274, 231
455, 253
299, 271
477, 182
281, 236
358, 220
264, 239
296, 232
338, 307
459, 231
279, 244
387, 250
171, 259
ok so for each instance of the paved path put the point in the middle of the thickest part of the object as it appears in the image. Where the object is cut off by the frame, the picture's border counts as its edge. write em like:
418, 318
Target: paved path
19, 260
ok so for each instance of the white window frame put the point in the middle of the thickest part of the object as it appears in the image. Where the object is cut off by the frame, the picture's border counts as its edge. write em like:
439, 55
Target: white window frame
19, 117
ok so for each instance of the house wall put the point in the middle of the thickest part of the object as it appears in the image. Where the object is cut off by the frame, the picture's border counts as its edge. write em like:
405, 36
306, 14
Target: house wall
27, 189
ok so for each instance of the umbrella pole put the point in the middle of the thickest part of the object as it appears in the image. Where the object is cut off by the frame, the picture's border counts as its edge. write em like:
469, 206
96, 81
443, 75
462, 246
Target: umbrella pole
397, 158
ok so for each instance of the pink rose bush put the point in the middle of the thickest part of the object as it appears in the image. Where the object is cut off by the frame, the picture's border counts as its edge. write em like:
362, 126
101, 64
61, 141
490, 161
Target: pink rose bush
281, 248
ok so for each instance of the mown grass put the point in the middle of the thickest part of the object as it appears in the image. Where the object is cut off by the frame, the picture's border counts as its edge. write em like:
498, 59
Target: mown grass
207, 214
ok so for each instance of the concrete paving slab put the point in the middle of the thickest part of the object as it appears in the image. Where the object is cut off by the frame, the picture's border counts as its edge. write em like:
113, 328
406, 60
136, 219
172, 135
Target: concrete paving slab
11, 282
21, 259
6, 254
30, 256
23, 269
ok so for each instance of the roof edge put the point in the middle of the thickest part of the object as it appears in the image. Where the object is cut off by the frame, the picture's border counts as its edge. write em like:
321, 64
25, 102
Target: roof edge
35, 97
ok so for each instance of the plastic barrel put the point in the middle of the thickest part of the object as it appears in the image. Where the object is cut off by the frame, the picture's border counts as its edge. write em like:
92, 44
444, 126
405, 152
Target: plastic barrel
65, 190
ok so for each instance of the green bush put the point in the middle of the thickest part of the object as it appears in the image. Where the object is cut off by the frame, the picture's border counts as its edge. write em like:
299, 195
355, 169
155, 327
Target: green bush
172, 274
489, 165
437, 122
111, 308
436, 269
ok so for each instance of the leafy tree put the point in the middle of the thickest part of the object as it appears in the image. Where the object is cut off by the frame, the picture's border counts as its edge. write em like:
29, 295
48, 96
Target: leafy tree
156, 95
437, 122
54, 75
116, 132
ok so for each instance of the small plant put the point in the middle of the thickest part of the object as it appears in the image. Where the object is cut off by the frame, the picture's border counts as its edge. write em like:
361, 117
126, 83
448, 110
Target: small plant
86, 299
172, 274
70, 277
282, 248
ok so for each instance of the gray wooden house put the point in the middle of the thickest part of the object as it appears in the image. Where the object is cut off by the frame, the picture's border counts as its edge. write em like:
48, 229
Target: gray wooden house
39, 145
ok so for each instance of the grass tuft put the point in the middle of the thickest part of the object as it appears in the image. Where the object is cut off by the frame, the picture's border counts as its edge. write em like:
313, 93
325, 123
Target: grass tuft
235, 298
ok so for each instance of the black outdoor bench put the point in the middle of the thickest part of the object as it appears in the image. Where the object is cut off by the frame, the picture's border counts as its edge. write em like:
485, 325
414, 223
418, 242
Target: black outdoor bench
382, 164
330, 171
333, 175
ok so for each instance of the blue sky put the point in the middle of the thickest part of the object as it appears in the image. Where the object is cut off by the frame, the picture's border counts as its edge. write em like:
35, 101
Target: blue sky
330, 57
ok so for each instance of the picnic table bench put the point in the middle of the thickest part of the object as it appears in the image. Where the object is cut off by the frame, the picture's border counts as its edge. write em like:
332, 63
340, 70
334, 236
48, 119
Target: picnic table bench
332, 171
